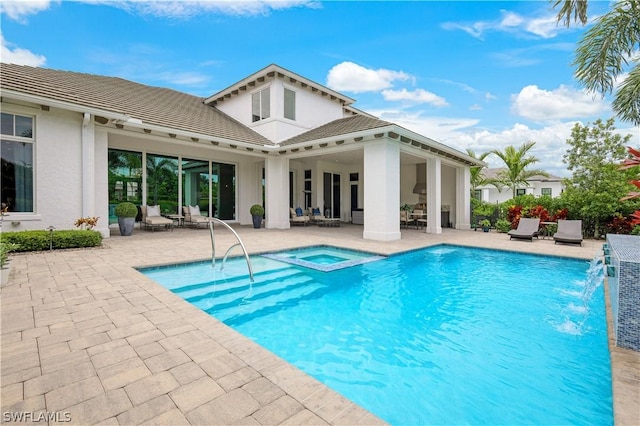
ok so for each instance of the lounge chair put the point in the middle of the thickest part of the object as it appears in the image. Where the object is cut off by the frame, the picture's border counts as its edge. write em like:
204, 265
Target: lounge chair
193, 217
151, 218
315, 215
527, 229
569, 231
298, 217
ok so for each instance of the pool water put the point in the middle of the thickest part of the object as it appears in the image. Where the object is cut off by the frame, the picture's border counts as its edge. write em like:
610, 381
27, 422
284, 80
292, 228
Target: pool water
446, 335
324, 258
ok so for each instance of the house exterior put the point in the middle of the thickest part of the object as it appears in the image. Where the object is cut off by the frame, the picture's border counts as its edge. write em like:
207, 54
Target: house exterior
537, 185
74, 145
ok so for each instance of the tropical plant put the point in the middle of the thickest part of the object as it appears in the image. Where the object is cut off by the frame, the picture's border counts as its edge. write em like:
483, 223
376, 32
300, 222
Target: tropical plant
517, 162
477, 177
633, 161
503, 225
606, 51
485, 223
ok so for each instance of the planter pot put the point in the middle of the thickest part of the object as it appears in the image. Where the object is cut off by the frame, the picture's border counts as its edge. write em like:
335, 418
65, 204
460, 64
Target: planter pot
257, 221
485, 229
126, 225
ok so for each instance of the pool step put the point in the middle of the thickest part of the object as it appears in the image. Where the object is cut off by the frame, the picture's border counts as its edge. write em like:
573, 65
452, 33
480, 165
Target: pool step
254, 306
228, 284
258, 289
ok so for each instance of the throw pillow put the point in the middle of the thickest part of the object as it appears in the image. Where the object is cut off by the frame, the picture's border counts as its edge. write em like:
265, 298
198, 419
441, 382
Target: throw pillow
298, 211
153, 211
316, 211
194, 210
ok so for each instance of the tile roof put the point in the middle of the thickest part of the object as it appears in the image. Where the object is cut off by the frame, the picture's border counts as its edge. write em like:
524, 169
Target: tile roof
342, 126
153, 105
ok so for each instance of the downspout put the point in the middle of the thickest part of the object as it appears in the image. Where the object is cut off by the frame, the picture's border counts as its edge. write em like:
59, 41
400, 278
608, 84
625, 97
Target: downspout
88, 166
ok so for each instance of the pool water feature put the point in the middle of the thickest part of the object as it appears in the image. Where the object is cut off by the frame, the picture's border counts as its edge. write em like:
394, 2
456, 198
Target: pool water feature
324, 258
446, 335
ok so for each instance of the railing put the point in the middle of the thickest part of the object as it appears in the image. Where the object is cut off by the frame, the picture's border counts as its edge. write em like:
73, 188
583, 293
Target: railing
239, 243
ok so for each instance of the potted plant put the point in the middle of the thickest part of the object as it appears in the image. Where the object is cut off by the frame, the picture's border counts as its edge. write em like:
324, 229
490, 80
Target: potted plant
257, 211
126, 213
486, 224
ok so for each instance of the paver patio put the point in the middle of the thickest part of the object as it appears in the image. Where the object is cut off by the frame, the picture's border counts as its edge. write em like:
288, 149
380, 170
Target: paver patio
87, 338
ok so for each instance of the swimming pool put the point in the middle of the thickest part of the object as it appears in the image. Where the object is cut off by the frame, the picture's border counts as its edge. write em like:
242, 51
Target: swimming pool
445, 335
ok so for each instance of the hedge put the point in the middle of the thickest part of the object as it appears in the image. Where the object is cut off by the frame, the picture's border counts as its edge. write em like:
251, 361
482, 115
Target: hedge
63, 239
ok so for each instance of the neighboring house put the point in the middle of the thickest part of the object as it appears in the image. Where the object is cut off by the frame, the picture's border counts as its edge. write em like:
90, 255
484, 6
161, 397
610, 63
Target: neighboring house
74, 145
538, 185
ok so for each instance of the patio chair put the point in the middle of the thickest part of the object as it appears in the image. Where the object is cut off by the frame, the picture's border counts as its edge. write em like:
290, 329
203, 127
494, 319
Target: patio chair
569, 231
315, 215
404, 219
298, 217
151, 218
527, 229
193, 217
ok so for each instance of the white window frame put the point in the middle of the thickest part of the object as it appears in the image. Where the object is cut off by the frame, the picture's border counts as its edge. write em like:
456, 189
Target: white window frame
26, 140
550, 190
261, 104
284, 104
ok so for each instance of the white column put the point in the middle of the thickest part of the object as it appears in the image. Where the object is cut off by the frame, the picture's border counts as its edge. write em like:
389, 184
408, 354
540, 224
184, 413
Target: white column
101, 183
434, 195
381, 191
276, 175
88, 166
463, 198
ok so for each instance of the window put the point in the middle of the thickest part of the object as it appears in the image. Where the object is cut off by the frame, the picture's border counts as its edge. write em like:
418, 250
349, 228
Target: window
477, 194
354, 177
125, 179
261, 105
520, 192
546, 191
289, 104
16, 151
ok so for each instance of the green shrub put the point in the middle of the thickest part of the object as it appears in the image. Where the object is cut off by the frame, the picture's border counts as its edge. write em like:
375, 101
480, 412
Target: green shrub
256, 210
63, 239
5, 249
503, 225
126, 209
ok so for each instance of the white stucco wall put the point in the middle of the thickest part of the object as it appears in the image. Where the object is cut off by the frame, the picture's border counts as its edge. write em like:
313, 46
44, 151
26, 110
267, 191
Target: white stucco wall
57, 170
490, 193
312, 110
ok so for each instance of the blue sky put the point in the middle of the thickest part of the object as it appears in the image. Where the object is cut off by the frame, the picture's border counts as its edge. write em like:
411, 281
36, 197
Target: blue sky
479, 75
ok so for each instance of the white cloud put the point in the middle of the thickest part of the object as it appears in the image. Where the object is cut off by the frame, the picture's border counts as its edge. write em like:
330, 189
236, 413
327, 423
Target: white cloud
543, 27
418, 96
350, 77
190, 9
19, 10
15, 55
558, 104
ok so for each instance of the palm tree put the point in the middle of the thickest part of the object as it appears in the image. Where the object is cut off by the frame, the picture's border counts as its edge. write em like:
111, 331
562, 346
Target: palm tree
478, 179
517, 161
605, 52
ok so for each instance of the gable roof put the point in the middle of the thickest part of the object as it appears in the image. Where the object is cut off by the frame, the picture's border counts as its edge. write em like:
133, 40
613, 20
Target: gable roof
275, 71
152, 105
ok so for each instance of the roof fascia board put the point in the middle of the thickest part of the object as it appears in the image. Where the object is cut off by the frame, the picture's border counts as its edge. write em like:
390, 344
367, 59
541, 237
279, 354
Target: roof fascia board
277, 69
437, 145
10, 94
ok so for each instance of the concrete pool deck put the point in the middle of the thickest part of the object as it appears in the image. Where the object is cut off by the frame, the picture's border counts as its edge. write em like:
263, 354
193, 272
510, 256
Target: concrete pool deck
87, 338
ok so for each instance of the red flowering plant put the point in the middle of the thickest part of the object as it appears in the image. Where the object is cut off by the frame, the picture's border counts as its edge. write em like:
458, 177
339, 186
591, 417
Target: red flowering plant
539, 212
620, 225
513, 215
561, 214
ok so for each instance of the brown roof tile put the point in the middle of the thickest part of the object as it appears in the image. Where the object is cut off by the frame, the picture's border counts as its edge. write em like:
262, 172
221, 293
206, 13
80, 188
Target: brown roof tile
152, 105
342, 126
